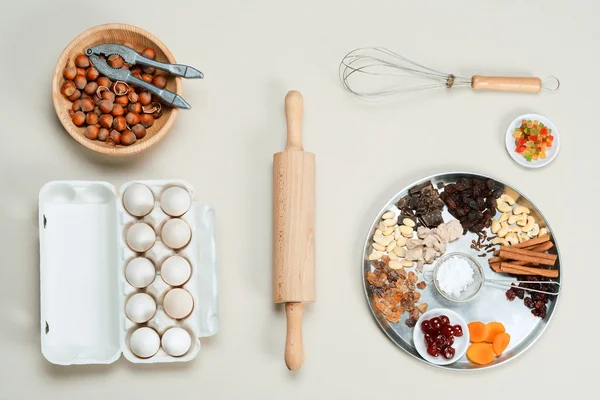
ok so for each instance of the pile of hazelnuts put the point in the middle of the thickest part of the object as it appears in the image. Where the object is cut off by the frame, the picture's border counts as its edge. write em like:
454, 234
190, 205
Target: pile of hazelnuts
112, 112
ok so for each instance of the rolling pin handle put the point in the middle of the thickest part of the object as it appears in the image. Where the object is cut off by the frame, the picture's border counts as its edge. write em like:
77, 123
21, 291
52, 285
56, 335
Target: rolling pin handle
293, 114
294, 352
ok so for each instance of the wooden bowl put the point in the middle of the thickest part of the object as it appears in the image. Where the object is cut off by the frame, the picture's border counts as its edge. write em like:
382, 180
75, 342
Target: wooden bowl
114, 33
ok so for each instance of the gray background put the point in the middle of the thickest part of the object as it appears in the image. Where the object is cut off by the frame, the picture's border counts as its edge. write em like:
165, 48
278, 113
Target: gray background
252, 53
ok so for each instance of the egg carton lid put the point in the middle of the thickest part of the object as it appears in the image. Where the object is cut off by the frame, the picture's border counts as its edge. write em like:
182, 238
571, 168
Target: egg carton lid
79, 291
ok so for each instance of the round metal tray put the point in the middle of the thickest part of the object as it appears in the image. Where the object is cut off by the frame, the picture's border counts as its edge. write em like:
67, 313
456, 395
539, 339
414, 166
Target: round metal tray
489, 305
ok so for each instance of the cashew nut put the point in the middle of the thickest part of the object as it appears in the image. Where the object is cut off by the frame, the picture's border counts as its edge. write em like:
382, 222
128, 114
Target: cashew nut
502, 206
530, 223
495, 226
503, 230
543, 232
521, 210
535, 231
523, 237
507, 199
516, 218
503, 217
512, 238
500, 241
514, 228
522, 221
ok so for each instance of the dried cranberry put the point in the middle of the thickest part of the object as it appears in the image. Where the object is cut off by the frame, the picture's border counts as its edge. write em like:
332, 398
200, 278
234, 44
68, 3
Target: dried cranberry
435, 323
444, 320
433, 351
520, 293
447, 331
458, 331
449, 352
429, 339
440, 341
450, 341
539, 304
426, 326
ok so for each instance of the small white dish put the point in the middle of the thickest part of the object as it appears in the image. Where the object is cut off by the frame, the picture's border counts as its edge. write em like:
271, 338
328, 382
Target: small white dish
461, 343
550, 154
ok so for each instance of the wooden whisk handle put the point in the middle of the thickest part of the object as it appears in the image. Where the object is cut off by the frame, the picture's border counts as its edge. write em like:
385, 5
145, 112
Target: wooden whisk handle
505, 83
293, 114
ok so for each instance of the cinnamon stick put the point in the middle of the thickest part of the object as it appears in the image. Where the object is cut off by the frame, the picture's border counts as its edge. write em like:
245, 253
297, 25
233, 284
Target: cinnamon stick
532, 242
495, 267
528, 253
533, 257
521, 270
538, 248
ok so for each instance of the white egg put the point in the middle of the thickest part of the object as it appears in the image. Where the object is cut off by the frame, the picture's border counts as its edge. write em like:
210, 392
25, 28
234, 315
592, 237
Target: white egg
178, 303
140, 308
144, 342
175, 201
141, 237
138, 200
176, 342
176, 270
176, 233
140, 272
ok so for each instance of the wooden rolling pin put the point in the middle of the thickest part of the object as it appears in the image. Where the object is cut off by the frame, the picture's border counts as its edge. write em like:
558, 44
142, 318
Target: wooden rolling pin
293, 229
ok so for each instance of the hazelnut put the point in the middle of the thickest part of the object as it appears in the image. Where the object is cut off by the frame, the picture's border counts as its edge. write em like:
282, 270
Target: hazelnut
135, 107
117, 110
147, 120
68, 88
98, 112
90, 88
91, 132
120, 88
119, 123
145, 98
149, 53
133, 118
145, 77
114, 138
82, 61
103, 134
96, 99
106, 121
92, 74
78, 118
80, 82
76, 95
149, 70
106, 106
128, 138
87, 105
159, 81
137, 75
115, 61
135, 69
76, 105
122, 100
133, 96
91, 119
70, 73
104, 81
139, 131
108, 95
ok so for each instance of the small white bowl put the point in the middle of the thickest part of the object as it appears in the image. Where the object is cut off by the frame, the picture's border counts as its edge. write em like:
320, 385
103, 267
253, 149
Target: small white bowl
550, 154
460, 343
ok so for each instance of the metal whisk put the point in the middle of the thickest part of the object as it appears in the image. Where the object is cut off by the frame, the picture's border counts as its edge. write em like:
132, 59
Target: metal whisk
374, 73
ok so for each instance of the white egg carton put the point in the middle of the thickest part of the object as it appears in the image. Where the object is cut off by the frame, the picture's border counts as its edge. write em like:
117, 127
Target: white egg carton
83, 254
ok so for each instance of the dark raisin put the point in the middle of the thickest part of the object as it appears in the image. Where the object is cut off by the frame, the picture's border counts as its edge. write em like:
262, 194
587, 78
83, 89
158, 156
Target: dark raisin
410, 323
539, 304
510, 295
480, 203
520, 293
529, 303
489, 184
497, 193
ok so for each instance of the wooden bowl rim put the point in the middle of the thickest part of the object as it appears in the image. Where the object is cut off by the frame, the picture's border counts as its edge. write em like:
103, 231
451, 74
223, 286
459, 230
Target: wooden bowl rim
93, 145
